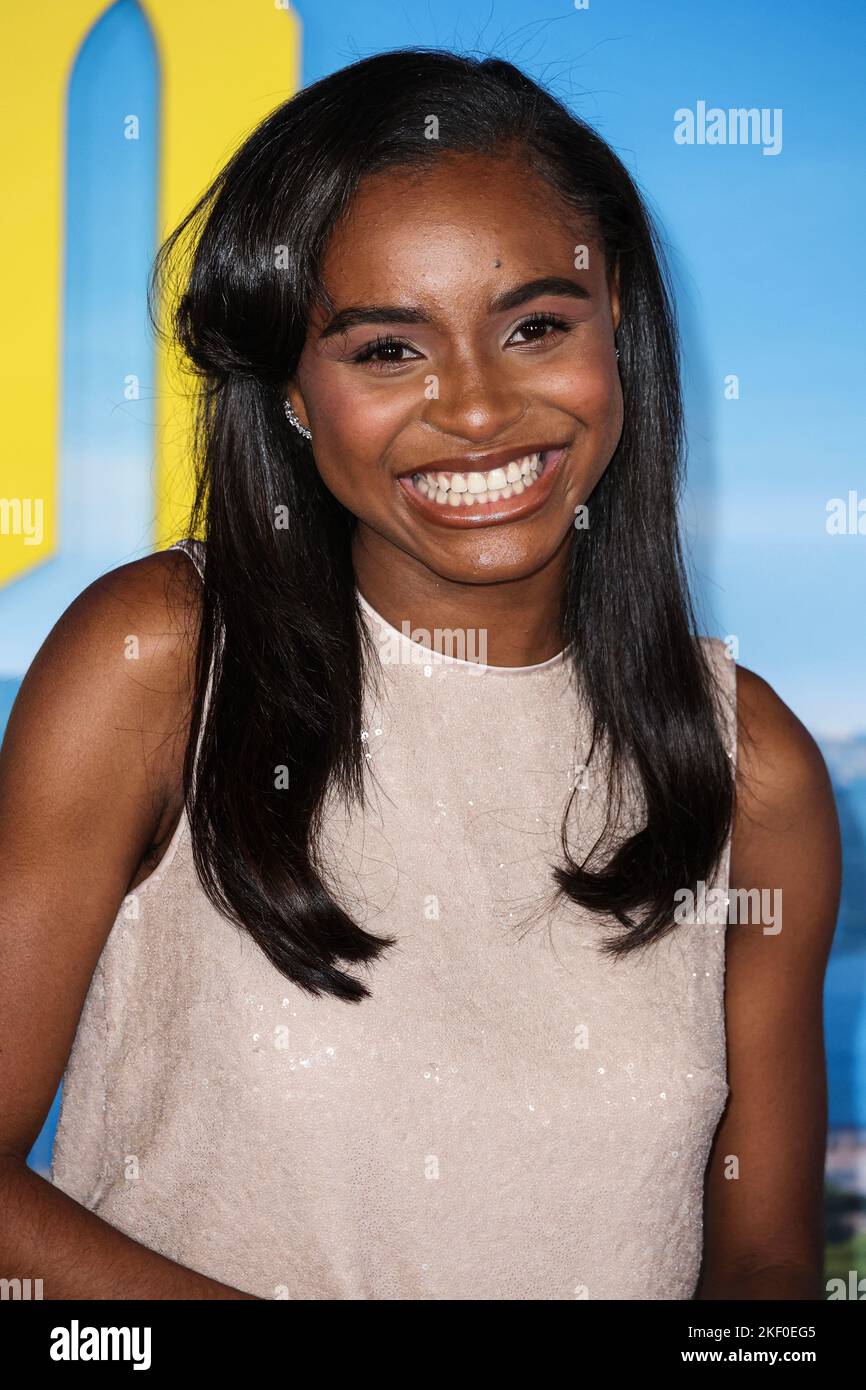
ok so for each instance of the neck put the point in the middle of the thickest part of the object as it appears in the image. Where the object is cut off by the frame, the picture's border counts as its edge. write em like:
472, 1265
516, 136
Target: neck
519, 618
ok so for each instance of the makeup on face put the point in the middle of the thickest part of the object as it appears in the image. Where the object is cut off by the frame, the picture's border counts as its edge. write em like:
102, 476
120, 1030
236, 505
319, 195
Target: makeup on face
461, 370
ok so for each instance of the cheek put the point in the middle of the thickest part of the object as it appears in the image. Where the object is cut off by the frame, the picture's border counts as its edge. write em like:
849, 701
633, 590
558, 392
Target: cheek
591, 392
351, 411
352, 429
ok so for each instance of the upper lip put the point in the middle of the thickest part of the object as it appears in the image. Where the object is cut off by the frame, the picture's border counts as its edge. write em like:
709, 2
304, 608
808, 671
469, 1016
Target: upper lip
479, 462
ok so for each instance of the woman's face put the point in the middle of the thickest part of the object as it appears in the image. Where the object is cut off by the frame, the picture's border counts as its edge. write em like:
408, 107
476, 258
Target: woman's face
494, 378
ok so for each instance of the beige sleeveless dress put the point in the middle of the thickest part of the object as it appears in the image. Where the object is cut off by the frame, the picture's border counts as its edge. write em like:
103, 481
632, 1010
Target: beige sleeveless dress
510, 1116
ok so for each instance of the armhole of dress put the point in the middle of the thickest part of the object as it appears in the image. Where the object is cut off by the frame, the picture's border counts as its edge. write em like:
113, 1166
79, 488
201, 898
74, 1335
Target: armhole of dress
193, 549
726, 676
714, 949
728, 685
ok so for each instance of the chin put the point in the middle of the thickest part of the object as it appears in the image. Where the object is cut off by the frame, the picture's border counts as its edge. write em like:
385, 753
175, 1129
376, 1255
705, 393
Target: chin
475, 558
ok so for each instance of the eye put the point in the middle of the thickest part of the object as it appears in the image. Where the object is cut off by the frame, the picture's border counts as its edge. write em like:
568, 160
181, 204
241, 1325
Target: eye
547, 324
384, 352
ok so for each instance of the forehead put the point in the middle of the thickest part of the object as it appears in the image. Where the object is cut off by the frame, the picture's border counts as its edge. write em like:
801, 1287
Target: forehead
440, 230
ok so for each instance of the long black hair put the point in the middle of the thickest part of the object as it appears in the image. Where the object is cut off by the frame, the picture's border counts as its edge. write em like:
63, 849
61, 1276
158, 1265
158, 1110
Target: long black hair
280, 624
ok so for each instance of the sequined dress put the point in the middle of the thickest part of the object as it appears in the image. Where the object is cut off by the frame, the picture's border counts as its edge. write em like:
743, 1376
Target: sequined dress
511, 1115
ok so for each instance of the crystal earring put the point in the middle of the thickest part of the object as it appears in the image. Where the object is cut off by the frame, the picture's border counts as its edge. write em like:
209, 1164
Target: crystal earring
293, 420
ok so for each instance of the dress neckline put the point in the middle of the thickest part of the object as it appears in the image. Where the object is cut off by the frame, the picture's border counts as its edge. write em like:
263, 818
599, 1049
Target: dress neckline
416, 653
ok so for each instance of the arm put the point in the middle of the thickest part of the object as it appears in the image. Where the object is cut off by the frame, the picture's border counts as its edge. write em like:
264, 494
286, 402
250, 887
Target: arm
90, 779
764, 1228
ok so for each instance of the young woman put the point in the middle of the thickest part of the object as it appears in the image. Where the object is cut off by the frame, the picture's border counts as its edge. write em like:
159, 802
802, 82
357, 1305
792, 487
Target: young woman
374, 840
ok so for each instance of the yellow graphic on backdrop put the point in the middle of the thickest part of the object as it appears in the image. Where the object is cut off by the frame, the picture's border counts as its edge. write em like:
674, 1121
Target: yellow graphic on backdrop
224, 64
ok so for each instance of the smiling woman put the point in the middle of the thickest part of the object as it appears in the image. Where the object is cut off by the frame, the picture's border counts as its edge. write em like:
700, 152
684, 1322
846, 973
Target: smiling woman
379, 982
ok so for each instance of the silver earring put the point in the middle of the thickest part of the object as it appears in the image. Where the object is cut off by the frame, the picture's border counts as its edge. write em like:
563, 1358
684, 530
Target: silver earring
293, 420
617, 354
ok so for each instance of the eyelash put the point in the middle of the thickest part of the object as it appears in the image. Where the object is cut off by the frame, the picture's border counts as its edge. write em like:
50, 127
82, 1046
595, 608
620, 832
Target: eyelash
382, 341
544, 317
367, 354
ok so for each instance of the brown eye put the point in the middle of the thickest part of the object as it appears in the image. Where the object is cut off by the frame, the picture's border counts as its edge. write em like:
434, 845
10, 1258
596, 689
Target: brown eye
543, 323
383, 351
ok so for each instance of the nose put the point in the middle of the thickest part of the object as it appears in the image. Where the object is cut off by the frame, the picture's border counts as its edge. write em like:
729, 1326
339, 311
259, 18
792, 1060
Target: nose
475, 399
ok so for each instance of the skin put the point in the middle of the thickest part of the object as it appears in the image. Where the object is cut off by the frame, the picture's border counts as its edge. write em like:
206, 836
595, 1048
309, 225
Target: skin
763, 1234
466, 231
91, 767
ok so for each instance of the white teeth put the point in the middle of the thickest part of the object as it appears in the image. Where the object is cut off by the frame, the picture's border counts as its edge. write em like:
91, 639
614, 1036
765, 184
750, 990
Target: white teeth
456, 489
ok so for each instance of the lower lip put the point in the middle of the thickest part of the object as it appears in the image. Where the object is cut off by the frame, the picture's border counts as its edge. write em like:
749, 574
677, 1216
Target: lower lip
513, 508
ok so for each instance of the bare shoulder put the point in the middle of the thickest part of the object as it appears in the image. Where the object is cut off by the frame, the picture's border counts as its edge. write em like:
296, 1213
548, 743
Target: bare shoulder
152, 604
109, 690
134, 628
779, 764
786, 828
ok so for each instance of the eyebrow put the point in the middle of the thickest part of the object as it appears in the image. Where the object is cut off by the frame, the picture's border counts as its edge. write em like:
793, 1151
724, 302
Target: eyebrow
345, 319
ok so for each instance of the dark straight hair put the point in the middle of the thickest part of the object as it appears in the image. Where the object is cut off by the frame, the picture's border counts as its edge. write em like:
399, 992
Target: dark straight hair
280, 624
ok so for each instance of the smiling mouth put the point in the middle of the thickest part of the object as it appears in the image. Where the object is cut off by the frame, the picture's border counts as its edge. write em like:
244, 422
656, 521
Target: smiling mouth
510, 490
478, 489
